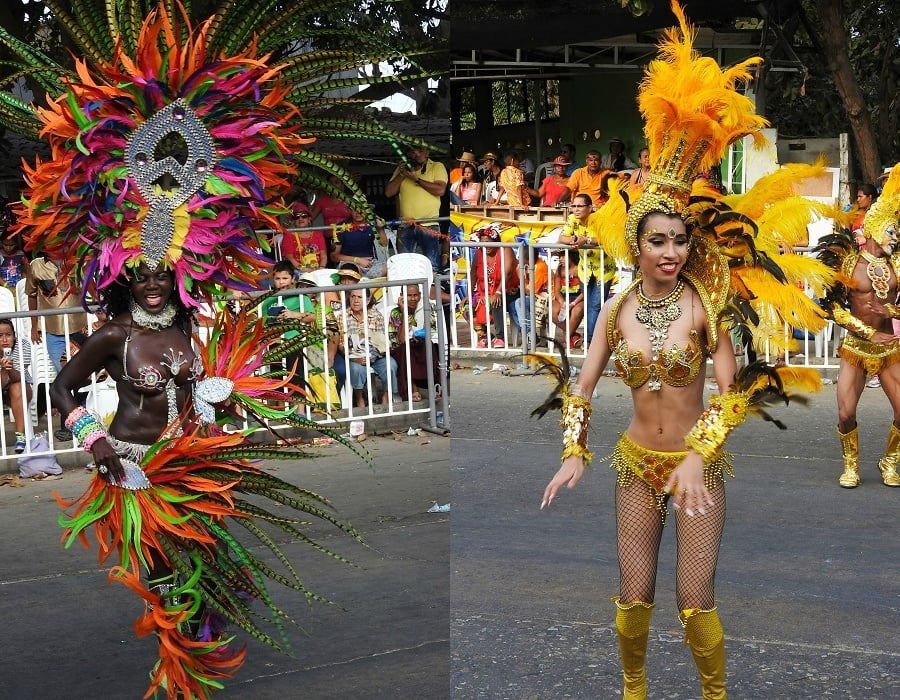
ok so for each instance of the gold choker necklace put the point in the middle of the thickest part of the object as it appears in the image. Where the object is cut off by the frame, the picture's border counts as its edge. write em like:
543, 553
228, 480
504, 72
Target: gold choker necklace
879, 272
657, 315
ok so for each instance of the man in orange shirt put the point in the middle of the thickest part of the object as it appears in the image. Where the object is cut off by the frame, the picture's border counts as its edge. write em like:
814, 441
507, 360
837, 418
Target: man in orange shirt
587, 180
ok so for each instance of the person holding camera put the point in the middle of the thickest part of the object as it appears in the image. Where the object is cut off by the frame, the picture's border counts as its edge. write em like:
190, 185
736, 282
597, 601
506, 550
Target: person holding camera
11, 380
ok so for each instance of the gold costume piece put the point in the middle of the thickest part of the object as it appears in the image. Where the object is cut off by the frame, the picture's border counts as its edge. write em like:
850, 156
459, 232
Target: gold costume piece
856, 326
576, 419
725, 413
675, 366
882, 215
654, 468
872, 357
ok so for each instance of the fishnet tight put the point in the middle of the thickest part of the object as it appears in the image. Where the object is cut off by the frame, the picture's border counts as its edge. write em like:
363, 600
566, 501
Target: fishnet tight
638, 534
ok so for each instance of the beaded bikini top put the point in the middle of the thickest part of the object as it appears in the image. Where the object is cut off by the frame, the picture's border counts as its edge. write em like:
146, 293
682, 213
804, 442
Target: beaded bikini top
675, 365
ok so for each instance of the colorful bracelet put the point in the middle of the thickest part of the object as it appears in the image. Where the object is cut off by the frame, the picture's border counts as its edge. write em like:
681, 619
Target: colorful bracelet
724, 414
92, 437
576, 419
74, 415
85, 427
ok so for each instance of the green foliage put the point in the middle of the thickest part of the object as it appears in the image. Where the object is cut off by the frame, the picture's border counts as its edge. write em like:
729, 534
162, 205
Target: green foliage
327, 44
809, 104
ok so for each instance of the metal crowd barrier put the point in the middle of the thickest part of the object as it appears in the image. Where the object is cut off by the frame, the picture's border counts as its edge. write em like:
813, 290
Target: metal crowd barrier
517, 311
101, 394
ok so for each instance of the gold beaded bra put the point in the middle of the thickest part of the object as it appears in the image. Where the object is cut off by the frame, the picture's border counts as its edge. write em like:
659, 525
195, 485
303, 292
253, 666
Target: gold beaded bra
674, 366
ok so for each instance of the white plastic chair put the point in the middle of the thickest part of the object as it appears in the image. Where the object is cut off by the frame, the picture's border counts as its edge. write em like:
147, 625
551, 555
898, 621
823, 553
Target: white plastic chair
407, 266
21, 296
7, 301
543, 170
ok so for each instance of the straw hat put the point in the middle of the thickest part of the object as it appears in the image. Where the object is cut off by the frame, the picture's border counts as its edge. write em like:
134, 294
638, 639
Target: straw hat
468, 157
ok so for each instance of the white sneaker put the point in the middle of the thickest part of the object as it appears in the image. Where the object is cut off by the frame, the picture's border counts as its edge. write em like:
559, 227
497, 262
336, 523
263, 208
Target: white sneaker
874, 382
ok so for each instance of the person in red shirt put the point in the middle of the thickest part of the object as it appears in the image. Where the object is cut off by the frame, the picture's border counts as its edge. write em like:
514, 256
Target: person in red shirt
305, 248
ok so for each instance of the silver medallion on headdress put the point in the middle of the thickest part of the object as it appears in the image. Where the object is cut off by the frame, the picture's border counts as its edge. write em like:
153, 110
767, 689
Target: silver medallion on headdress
149, 158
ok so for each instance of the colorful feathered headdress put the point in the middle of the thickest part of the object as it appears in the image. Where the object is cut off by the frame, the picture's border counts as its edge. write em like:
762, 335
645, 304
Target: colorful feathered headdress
177, 133
171, 157
884, 213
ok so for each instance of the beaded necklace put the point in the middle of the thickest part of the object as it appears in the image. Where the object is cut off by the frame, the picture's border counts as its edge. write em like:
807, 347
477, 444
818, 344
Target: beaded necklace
657, 315
878, 272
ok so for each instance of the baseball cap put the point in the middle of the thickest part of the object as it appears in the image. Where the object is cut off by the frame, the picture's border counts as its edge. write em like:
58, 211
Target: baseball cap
561, 160
300, 208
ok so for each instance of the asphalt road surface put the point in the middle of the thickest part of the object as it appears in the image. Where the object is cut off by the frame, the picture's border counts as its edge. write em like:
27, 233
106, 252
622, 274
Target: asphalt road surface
67, 635
808, 582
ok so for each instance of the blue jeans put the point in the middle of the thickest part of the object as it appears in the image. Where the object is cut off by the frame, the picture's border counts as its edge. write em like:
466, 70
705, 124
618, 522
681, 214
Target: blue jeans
359, 373
595, 294
427, 239
56, 348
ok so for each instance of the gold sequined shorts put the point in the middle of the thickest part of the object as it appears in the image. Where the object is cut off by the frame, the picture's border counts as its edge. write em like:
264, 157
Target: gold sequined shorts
872, 357
654, 468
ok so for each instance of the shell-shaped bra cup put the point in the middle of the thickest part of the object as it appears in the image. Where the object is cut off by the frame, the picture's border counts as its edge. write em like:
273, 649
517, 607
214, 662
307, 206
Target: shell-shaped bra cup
676, 366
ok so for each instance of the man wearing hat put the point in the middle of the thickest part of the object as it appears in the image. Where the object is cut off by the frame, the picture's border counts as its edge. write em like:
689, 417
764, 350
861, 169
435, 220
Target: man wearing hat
418, 188
490, 172
616, 159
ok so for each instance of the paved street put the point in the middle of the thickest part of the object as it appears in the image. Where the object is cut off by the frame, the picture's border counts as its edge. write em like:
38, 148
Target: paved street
808, 580
67, 635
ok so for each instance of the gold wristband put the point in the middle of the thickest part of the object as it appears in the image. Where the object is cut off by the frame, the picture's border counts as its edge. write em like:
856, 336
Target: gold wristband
724, 414
845, 319
893, 310
576, 419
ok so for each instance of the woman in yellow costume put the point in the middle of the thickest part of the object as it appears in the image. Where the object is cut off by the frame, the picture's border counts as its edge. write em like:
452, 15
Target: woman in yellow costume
699, 262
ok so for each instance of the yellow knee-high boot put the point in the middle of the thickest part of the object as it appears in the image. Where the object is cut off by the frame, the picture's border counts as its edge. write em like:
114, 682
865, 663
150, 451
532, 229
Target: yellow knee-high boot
633, 628
703, 632
850, 451
888, 463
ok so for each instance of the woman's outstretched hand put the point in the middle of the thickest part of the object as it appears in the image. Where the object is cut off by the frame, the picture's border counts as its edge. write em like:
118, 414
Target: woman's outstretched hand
569, 475
109, 466
687, 486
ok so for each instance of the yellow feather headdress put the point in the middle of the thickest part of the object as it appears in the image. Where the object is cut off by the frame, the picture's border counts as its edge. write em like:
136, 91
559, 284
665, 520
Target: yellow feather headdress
884, 214
692, 112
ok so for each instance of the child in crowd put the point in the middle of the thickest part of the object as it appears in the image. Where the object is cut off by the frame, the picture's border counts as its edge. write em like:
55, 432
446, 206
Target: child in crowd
14, 380
568, 297
12, 259
356, 244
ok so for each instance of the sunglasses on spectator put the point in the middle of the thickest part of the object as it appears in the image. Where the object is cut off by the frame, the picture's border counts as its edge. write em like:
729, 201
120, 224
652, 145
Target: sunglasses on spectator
301, 215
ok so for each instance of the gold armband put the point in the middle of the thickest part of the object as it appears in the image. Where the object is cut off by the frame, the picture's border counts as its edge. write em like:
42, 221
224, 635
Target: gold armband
576, 419
893, 310
845, 319
725, 413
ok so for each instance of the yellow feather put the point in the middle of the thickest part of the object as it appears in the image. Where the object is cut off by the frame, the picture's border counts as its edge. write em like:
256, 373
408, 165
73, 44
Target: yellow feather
688, 102
607, 224
800, 380
785, 221
773, 187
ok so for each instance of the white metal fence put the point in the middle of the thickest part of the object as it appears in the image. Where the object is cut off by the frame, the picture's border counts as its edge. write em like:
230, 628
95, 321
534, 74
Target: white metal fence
514, 316
432, 411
